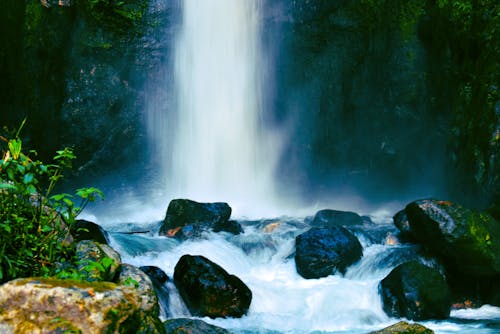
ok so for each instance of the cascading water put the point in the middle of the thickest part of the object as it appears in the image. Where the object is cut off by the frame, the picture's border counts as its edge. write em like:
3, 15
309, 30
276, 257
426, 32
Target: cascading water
284, 302
219, 150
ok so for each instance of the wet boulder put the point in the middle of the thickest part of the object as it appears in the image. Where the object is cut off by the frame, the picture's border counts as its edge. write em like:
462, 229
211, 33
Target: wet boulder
87, 230
208, 290
159, 280
403, 327
331, 218
230, 226
320, 252
416, 292
157, 276
400, 220
187, 219
192, 326
467, 241
47, 305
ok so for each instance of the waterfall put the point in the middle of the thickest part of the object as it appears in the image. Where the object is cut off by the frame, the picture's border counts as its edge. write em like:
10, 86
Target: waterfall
218, 148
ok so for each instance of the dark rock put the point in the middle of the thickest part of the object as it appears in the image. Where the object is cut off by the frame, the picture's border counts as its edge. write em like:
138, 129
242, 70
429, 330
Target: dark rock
186, 218
157, 276
208, 290
192, 326
330, 218
468, 241
415, 291
159, 279
401, 222
231, 226
403, 327
324, 251
86, 230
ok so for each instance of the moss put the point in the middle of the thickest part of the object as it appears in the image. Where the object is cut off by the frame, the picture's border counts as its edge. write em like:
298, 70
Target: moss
116, 15
33, 22
478, 223
69, 283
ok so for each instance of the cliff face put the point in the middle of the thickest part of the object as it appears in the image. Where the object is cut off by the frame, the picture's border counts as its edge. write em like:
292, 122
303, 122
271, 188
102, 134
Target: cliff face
375, 98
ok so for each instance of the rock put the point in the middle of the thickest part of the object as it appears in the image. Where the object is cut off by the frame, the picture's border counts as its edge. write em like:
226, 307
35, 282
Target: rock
208, 290
416, 292
192, 326
159, 279
46, 305
186, 218
330, 218
230, 226
468, 241
135, 277
86, 230
50, 3
403, 327
157, 276
99, 262
400, 220
320, 252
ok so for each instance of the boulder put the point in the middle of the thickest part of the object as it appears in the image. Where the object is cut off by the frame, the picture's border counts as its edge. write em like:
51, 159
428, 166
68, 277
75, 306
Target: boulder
47, 305
400, 220
230, 226
157, 276
403, 327
320, 252
208, 290
330, 218
468, 241
186, 218
159, 279
192, 326
97, 261
416, 292
86, 230
132, 276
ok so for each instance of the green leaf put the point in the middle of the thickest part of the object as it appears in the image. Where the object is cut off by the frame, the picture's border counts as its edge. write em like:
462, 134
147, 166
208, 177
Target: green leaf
46, 229
31, 190
7, 186
107, 262
90, 193
60, 197
15, 146
28, 178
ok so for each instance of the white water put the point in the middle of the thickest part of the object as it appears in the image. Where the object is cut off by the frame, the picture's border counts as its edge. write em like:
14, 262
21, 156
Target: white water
220, 150
284, 302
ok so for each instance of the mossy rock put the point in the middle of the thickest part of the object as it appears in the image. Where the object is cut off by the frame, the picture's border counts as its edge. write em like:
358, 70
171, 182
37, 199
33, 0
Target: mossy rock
33, 305
468, 241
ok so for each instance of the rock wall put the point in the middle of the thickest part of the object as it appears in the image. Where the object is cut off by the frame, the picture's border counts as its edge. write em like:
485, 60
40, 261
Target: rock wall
369, 96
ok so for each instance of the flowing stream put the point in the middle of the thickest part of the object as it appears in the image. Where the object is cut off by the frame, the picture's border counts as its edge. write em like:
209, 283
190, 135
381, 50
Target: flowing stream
283, 301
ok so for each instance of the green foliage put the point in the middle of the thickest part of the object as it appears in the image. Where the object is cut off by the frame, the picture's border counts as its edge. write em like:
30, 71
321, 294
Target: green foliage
392, 14
116, 13
102, 268
34, 223
129, 281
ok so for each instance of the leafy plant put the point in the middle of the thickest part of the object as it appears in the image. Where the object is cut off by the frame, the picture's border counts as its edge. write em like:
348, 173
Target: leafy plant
34, 223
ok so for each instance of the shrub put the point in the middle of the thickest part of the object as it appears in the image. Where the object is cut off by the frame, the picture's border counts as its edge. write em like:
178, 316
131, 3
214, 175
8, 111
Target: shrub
34, 223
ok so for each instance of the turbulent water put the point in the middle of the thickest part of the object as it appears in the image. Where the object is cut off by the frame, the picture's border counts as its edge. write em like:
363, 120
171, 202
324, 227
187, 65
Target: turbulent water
284, 302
